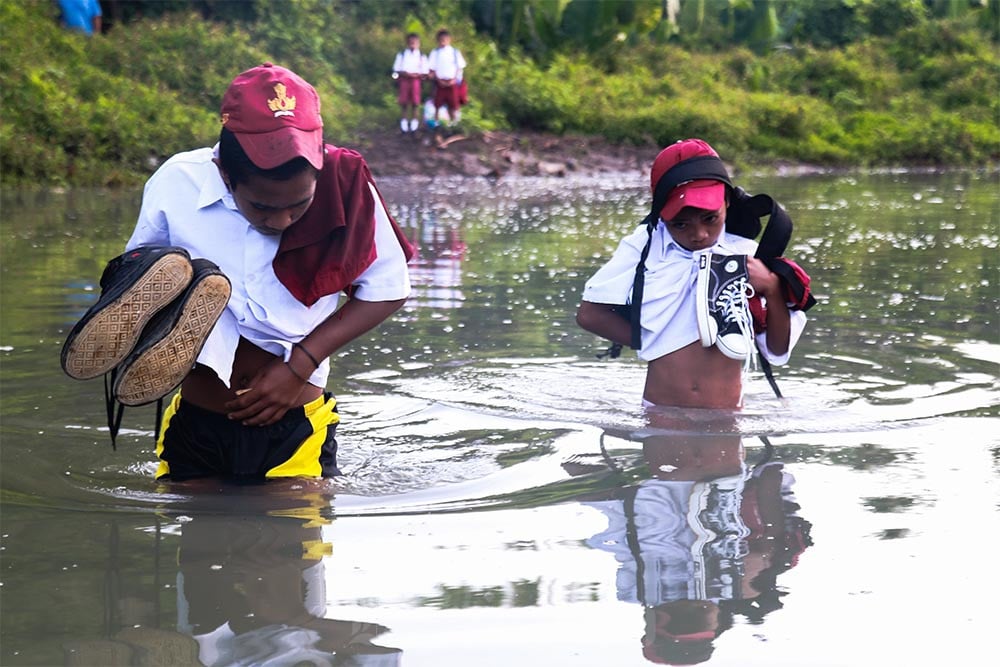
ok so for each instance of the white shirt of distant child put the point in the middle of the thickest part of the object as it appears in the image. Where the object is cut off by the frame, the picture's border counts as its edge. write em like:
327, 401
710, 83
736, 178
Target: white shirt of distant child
668, 315
411, 61
447, 62
186, 203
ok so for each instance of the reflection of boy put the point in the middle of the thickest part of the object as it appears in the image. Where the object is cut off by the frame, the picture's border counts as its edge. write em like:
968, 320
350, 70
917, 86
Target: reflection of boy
696, 539
681, 371
446, 65
411, 69
253, 591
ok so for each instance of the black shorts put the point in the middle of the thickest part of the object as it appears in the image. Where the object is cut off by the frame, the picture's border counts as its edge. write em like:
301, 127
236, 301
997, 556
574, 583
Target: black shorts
195, 442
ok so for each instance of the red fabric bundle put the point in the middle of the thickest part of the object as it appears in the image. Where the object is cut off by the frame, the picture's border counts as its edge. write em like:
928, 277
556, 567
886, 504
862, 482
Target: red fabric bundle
334, 242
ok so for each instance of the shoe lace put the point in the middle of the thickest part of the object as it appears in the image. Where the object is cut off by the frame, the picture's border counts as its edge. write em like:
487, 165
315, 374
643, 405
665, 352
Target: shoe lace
734, 305
116, 410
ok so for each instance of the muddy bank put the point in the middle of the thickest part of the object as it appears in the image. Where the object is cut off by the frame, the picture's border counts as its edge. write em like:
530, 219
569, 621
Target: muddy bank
496, 154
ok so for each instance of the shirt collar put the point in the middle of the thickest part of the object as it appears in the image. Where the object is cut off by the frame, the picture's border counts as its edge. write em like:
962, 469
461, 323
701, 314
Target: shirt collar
213, 188
722, 246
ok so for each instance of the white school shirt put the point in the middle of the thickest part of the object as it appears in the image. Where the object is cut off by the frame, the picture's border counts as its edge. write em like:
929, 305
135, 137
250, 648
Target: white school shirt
446, 62
668, 317
186, 203
410, 61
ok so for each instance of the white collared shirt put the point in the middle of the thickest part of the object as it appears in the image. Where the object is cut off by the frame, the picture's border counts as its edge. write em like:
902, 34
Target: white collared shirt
446, 62
668, 317
186, 203
410, 61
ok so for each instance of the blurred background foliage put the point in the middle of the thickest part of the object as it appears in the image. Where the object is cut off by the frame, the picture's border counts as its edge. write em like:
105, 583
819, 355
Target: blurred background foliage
833, 82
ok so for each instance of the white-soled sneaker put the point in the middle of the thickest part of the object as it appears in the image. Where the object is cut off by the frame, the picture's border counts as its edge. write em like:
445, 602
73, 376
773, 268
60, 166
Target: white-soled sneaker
723, 311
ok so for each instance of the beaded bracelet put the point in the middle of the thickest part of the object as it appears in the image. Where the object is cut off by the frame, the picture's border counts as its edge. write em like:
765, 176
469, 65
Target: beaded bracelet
307, 353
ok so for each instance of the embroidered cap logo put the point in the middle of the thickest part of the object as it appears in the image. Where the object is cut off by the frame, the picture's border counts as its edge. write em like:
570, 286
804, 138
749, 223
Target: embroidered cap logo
282, 105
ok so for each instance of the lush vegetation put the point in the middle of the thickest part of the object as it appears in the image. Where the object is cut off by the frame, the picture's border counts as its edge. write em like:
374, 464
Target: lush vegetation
836, 82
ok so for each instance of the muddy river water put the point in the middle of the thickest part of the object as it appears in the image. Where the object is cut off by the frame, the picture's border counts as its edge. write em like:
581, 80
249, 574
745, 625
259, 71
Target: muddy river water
506, 500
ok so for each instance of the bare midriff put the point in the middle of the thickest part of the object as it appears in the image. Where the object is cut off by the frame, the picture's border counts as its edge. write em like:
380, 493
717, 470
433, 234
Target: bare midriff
203, 388
695, 377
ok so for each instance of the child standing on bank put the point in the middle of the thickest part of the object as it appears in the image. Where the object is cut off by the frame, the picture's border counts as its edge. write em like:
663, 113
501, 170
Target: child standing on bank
410, 69
693, 289
446, 65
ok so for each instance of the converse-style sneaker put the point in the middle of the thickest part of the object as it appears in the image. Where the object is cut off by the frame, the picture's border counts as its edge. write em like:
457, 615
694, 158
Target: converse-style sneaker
722, 308
170, 344
134, 287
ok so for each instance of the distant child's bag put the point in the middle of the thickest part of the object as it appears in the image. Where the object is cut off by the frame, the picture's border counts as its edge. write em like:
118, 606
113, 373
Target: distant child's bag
463, 85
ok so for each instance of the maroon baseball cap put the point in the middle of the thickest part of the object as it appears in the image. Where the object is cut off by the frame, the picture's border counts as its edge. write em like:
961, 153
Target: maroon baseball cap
706, 194
274, 114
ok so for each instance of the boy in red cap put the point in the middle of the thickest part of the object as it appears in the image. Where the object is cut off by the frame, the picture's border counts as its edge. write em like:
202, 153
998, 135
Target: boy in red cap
294, 223
686, 280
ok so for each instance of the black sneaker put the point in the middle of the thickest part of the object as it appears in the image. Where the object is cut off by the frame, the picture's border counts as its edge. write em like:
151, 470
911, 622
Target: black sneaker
170, 344
134, 287
721, 301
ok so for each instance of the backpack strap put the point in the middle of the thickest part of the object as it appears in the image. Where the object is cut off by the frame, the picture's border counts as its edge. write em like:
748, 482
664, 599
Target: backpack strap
743, 217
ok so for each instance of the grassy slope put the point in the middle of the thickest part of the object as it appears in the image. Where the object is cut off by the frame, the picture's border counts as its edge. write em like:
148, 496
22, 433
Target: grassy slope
108, 110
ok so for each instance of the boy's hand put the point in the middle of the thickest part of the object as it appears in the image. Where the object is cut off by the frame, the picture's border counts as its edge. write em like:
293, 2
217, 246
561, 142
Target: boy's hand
765, 282
273, 390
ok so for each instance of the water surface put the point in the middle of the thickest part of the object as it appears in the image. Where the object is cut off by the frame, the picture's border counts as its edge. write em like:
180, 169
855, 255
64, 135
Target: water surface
506, 500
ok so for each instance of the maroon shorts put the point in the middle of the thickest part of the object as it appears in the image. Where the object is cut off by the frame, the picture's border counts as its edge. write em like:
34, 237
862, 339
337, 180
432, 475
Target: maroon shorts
409, 91
446, 96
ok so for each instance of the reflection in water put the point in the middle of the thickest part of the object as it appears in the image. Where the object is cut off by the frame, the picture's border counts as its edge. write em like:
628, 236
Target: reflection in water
889, 424
700, 541
436, 269
250, 590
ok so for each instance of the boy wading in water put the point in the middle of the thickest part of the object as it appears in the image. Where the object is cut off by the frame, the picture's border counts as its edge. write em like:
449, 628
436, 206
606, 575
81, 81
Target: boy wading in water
697, 290
248, 246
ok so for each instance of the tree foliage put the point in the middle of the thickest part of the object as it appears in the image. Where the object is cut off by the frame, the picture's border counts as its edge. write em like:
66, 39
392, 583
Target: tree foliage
831, 81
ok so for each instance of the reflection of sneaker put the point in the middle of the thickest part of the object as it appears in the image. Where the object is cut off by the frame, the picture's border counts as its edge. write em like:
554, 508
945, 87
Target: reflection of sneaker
722, 307
170, 344
134, 287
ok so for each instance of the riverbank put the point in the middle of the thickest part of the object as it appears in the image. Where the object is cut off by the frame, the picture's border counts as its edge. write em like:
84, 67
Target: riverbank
496, 154
520, 153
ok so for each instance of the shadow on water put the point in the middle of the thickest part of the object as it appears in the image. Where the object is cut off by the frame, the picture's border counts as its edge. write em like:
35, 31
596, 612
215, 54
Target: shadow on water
500, 480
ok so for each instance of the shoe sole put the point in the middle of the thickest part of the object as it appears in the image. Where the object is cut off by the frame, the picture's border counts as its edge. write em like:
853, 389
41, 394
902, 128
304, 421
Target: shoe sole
706, 322
104, 341
161, 369
730, 351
